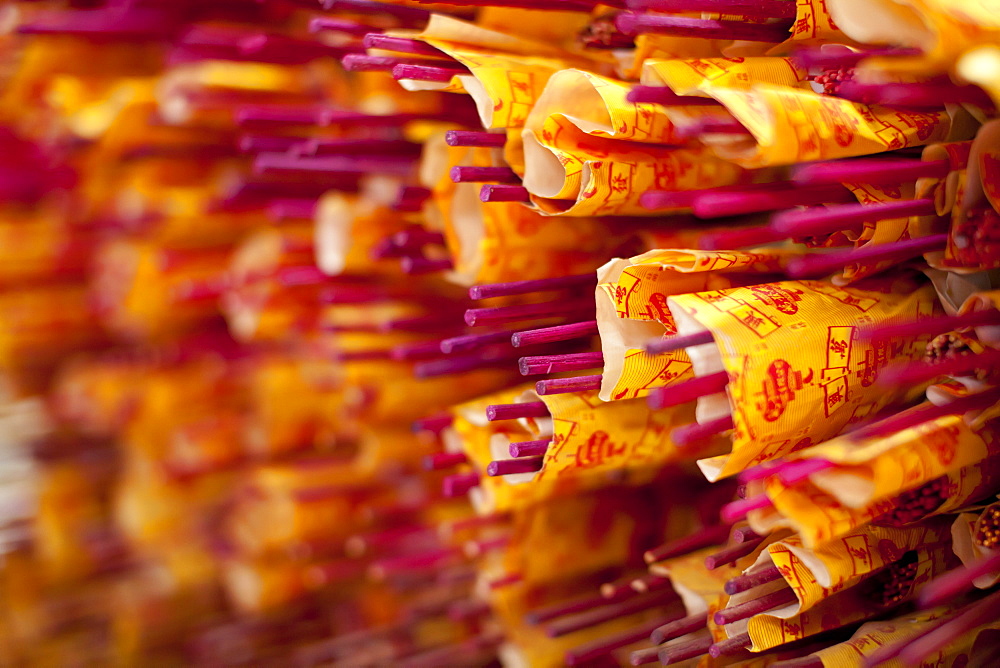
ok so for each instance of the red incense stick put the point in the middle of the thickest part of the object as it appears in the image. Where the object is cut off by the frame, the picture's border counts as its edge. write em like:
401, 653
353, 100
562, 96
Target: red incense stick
568, 385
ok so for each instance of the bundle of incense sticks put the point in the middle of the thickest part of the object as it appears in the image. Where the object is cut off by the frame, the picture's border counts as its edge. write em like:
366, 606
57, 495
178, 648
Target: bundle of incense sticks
519, 332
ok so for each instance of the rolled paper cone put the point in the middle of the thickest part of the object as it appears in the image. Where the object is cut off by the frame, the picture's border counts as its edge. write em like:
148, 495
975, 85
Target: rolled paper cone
921, 372
819, 221
357, 62
689, 649
734, 203
411, 15
458, 484
503, 467
498, 315
556, 610
472, 139
418, 266
468, 174
792, 473
876, 171
529, 409
529, 448
441, 461
703, 538
679, 627
434, 423
545, 364
821, 264
489, 290
743, 583
777, 599
384, 568
926, 644
689, 390
911, 417
472, 342
745, 534
377, 40
696, 434
504, 193
731, 646
709, 125
931, 327
333, 24
568, 385
424, 73
914, 95
554, 334
637, 24
608, 611
595, 649
672, 343
731, 554
666, 97
739, 237
737, 510
757, 9
953, 584
818, 58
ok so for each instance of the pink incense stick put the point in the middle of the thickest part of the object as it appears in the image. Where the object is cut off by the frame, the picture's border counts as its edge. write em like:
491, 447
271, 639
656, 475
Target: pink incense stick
112, 23
672, 343
619, 588
506, 580
800, 662
503, 467
500, 315
671, 199
610, 610
458, 484
953, 584
730, 555
457, 364
363, 355
470, 342
546, 364
441, 461
460, 174
734, 203
476, 548
425, 73
792, 473
828, 59
777, 599
434, 423
739, 237
932, 642
504, 193
820, 221
689, 390
822, 264
568, 385
357, 62
529, 448
595, 649
695, 434
755, 9
468, 610
737, 510
925, 412
743, 583
731, 646
641, 657
418, 266
637, 24
666, 97
488, 290
678, 628
914, 95
475, 139
384, 568
268, 144
529, 409
377, 40
650, 583
411, 199
554, 334
878, 171
744, 534
572, 607
705, 537
932, 326
416, 237
412, 16
921, 372
290, 209
277, 163
697, 646
345, 26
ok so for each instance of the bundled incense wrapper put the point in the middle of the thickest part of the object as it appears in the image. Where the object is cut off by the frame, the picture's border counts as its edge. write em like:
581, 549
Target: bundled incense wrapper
767, 320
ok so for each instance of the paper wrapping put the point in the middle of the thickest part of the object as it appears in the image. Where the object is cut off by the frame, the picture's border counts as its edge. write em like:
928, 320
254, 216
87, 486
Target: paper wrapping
963, 537
822, 127
632, 310
697, 76
828, 581
771, 400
